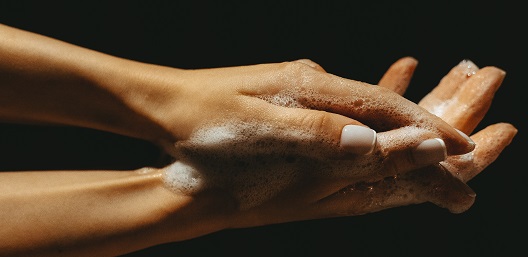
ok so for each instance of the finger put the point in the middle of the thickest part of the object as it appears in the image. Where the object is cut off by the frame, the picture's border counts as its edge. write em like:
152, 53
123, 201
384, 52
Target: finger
363, 198
399, 74
430, 184
473, 99
337, 133
311, 63
397, 152
376, 107
380, 109
437, 185
329, 134
490, 142
407, 149
448, 86
402, 149
450, 190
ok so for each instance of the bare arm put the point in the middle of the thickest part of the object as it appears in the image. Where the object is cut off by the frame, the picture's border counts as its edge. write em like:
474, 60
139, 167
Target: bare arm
50, 81
43, 80
102, 213
53, 213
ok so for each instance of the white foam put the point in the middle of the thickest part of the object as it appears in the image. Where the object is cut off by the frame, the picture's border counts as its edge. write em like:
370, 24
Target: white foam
214, 135
184, 178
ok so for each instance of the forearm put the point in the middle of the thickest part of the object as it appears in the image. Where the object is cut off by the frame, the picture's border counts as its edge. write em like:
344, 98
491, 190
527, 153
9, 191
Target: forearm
103, 213
43, 80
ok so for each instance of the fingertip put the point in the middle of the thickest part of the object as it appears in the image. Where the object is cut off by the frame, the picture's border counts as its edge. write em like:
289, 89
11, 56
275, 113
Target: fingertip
466, 67
493, 71
460, 198
358, 139
398, 76
430, 151
408, 61
467, 138
459, 143
451, 193
491, 141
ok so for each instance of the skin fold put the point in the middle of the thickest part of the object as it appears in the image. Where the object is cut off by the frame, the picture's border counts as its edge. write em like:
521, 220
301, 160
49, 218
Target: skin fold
108, 213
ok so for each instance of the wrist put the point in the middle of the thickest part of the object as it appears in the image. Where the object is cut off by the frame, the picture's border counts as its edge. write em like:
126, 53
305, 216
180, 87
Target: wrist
146, 93
200, 215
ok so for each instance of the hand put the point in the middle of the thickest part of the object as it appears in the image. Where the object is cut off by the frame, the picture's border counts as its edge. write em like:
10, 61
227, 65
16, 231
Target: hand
298, 97
252, 145
442, 184
243, 139
462, 98
275, 173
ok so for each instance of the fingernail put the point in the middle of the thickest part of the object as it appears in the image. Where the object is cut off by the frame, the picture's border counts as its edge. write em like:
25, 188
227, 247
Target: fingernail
470, 141
430, 151
358, 139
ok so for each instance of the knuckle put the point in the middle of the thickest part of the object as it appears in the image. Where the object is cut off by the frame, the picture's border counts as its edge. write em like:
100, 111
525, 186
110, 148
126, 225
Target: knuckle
316, 122
397, 163
297, 74
308, 62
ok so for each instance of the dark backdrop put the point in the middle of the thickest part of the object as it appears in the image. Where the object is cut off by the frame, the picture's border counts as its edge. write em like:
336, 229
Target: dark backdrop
353, 39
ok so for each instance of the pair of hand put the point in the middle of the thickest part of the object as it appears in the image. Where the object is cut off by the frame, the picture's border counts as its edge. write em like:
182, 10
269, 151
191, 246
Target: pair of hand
278, 151
251, 145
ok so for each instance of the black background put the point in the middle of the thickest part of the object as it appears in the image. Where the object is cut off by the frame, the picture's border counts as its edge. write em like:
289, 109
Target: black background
352, 39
